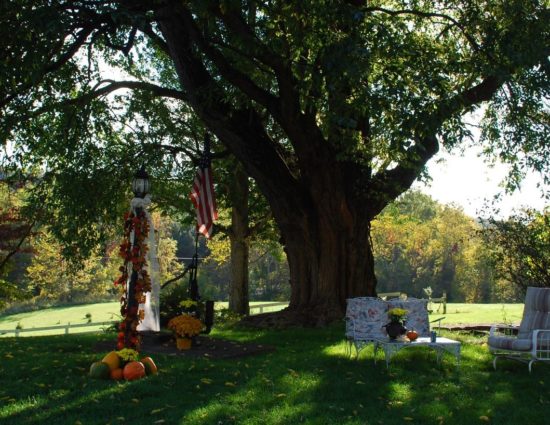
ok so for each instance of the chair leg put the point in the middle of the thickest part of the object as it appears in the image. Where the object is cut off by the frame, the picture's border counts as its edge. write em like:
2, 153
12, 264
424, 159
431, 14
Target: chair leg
495, 362
530, 363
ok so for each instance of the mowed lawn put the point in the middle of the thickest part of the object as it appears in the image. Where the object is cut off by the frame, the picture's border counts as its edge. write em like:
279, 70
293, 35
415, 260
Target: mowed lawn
103, 312
308, 379
458, 313
100, 312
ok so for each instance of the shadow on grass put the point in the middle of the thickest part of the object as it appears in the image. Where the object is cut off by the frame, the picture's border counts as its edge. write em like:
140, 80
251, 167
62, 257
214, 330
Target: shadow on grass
308, 380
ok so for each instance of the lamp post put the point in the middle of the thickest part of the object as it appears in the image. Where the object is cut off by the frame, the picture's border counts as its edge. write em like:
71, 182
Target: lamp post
140, 187
140, 184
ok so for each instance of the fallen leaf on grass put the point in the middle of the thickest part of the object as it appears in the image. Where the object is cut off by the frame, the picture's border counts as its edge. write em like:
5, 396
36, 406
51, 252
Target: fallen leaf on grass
484, 418
408, 418
280, 395
160, 421
230, 384
135, 400
206, 381
359, 383
155, 411
293, 372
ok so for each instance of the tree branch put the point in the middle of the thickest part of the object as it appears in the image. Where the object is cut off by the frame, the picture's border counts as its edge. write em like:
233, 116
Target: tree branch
421, 14
233, 75
15, 250
389, 184
111, 87
52, 66
155, 38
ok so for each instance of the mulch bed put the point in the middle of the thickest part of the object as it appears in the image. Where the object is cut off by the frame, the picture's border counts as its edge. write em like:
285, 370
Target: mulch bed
204, 346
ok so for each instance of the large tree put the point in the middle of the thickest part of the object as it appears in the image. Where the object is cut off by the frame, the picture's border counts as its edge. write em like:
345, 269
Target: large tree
333, 107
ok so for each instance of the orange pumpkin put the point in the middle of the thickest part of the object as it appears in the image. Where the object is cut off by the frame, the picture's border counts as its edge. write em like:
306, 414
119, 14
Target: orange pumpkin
150, 366
116, 374
412, 335
133, 371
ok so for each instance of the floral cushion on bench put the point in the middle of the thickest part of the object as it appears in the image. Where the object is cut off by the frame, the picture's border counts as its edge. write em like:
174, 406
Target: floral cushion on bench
365, 317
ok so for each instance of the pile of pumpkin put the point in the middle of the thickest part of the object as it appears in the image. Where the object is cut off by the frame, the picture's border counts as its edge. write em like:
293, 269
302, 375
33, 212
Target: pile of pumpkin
113, 367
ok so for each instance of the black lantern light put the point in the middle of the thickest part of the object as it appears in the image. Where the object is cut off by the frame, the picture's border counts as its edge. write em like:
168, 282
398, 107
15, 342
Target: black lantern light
140, 185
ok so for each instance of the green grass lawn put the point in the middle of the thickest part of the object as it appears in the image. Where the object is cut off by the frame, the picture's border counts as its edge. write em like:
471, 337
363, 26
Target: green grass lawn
308, 379
101, 312
478, 313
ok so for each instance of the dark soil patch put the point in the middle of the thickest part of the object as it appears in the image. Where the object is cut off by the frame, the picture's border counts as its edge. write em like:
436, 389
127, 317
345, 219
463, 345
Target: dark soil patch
203, 346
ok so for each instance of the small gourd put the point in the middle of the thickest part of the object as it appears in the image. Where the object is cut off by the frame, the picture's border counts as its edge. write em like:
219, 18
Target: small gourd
112, 360
117, 374
150, 366
133, 371
99, 370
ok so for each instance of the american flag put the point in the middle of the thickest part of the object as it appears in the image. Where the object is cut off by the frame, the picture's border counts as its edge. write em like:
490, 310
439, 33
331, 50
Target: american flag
203, 198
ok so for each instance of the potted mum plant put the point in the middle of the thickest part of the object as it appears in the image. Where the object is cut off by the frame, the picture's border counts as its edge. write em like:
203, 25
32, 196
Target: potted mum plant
185, 327
396, 326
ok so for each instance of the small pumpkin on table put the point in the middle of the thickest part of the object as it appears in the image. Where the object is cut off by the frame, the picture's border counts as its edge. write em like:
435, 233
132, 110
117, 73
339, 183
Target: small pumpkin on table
412, 335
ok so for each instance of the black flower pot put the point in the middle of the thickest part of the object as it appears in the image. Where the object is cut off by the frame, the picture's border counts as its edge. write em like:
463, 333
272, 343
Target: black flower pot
395, 329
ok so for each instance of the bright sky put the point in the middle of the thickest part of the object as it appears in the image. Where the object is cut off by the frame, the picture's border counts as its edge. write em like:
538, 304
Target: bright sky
469, 182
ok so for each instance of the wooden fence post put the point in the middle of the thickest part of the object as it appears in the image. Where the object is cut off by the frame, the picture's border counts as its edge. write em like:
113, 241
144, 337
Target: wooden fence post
444, 302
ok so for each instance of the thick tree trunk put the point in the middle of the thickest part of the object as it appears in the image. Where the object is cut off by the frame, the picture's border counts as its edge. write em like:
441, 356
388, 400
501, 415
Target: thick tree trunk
239, 238
330, 259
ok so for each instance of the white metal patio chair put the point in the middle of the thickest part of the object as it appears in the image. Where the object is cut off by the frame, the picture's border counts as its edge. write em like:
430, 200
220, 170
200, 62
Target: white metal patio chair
532, 342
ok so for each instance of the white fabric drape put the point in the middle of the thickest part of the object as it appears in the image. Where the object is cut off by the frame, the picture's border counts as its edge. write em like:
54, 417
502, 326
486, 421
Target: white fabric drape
151, 308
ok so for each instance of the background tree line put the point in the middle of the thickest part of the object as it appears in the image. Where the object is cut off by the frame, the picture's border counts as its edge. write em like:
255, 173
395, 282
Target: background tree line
418, 243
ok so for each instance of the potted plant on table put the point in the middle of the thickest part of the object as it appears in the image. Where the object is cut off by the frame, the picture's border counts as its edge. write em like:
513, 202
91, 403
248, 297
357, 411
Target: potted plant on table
185, 327
395, 327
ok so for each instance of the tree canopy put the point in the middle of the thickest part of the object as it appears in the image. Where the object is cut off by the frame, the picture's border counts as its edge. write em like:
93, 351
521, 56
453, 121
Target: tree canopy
333, 107
521, 248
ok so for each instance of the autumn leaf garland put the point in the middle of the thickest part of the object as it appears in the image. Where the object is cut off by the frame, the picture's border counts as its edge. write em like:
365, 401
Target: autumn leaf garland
134, 261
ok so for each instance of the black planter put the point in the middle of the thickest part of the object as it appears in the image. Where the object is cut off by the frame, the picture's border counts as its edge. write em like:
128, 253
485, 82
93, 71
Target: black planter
395, 329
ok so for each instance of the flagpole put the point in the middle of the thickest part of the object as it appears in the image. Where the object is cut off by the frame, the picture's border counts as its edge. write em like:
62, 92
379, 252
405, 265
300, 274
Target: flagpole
193, 286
